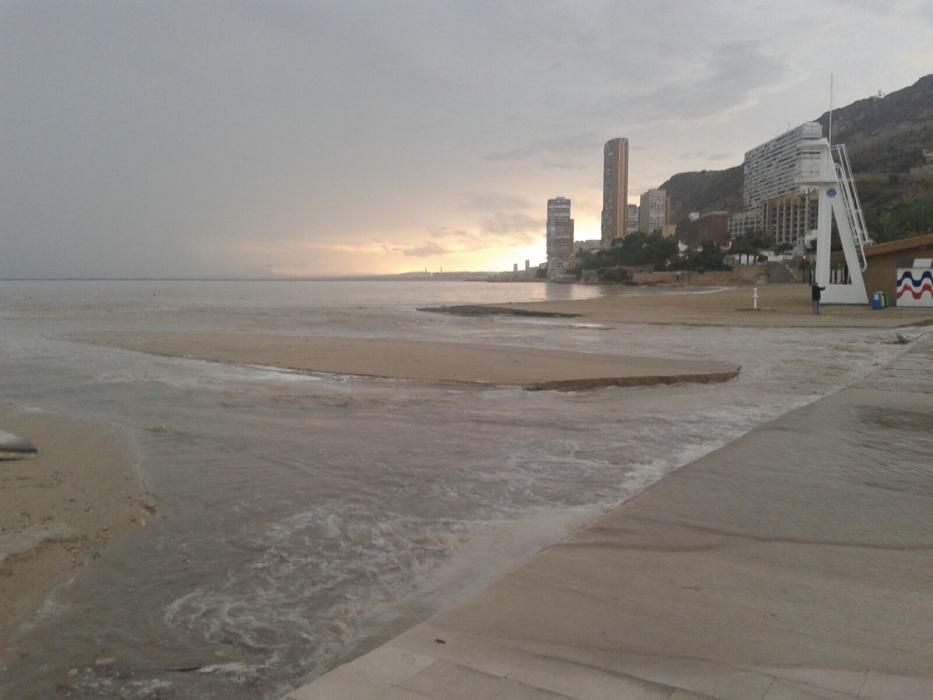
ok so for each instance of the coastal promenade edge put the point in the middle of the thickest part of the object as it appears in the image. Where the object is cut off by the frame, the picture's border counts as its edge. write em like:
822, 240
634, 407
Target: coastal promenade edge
795, 563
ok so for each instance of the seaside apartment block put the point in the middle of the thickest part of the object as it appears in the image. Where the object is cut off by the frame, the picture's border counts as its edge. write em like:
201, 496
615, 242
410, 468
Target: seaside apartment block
773, 202
788, 219
615, 191
654, 212
559, 238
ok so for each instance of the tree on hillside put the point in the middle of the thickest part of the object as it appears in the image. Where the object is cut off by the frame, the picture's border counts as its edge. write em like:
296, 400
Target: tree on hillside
743, 246
638, 249
709, 257
635, 250
902, 221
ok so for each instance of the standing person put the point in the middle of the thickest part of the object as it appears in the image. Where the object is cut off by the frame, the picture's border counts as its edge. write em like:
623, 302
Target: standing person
815, 296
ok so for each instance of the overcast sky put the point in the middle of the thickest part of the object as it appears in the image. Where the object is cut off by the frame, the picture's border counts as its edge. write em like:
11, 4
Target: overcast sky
303, 138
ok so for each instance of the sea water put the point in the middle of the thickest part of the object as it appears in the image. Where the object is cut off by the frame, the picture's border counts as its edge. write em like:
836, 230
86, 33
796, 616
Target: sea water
303, 518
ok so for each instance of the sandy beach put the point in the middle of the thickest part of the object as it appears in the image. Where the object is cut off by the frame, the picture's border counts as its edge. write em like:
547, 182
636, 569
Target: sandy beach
425, 361
60, 509
779, 306
793, 564
307, 516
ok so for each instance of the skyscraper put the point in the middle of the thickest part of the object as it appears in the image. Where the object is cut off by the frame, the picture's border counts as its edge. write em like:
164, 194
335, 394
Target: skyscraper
615, 190
559, 237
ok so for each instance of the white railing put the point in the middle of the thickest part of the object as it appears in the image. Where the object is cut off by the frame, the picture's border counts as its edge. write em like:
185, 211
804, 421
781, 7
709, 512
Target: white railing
851, 201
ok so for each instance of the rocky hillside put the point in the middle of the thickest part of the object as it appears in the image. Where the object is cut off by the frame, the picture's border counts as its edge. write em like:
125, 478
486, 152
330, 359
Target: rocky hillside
706, 190
886, 134
885, 137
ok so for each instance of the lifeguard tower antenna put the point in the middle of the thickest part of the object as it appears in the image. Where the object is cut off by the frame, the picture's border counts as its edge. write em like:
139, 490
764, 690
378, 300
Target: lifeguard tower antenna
827, 169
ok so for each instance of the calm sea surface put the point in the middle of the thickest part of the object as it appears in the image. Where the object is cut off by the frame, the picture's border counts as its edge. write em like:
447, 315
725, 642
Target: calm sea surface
304, 518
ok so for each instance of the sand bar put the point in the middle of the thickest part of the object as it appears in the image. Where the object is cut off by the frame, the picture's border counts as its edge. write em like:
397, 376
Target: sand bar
61, 507
424, 361
793, 564
780, 305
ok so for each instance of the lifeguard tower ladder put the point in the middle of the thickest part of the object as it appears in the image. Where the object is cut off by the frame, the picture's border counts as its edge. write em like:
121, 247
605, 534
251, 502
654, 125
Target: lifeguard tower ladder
827, 169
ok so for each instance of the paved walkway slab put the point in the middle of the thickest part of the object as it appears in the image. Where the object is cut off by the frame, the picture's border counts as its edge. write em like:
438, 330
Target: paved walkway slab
795, 563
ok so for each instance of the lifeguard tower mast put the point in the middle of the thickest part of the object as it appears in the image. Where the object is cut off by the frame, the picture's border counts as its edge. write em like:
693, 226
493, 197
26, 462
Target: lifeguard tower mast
827, 168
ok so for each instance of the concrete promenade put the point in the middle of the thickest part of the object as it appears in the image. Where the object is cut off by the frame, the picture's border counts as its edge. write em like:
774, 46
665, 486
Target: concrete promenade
795, 563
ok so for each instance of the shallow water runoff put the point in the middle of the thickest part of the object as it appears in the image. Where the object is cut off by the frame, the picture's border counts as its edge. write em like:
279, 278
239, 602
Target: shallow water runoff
303, 518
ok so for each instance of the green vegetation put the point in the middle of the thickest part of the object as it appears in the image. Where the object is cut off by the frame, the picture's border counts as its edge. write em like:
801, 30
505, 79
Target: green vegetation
750, 244
646, 250
902, 221
635, 250
708, 257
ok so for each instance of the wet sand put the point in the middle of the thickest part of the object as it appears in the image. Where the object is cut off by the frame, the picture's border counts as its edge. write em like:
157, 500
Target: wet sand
424, 361
60, 508
794, 563
780, 306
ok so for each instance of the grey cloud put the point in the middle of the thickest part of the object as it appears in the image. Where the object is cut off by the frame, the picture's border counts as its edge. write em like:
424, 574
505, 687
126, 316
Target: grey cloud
574, 143
569, 164
447, 232
907, 8
496, 200
496, 230
729, 76
428, 250
150, 138
513, 223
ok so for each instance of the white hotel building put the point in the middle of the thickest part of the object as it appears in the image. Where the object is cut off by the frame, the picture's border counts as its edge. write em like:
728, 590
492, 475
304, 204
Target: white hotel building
770, 172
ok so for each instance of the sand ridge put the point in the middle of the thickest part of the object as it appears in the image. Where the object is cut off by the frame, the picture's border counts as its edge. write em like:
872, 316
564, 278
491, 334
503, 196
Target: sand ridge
483, 365
779, 306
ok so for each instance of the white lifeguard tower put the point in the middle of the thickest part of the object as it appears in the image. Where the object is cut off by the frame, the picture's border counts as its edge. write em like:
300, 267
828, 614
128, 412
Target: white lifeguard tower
827, 169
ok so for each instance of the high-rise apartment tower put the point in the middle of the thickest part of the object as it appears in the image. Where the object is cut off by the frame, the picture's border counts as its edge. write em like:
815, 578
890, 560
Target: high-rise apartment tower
615, 190
559, 237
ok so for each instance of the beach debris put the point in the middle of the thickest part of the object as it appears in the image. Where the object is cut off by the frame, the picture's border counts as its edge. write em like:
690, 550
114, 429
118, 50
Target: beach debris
440, 641
14, 447
901, 339
105, 661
